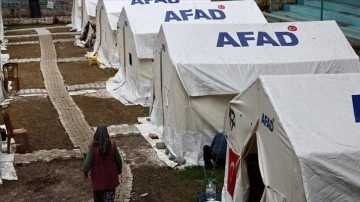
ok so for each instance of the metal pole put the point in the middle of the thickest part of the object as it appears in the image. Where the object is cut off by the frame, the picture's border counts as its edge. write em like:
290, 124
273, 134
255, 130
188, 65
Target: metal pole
322, 10
272, 6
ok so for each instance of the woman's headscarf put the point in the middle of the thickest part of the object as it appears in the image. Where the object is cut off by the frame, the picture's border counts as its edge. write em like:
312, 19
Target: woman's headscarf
102, 140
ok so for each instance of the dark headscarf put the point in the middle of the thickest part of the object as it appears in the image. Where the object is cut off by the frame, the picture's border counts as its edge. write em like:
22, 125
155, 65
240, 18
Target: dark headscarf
102, 140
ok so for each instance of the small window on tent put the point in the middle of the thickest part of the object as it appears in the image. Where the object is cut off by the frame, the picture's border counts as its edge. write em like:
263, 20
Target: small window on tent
130, 59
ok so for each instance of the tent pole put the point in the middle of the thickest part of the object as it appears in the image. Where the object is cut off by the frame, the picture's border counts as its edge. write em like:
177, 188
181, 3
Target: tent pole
322, 10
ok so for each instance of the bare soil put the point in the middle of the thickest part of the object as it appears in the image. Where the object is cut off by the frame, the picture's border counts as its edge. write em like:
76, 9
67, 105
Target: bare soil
57, 180
64, 36
24, 32
38, 116
89, 74
29, 26
59, 29
69, 50
21, 39
108, 111
23, 51
30, 76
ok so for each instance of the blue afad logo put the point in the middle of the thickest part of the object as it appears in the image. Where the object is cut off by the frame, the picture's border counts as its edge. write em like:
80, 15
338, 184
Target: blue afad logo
242, 38
134, 2
183, 15
267, 122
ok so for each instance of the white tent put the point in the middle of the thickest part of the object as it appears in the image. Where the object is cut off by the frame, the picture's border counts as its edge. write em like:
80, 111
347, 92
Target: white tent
137, 34
200, 68
107, 15
88, 13
305, 131
76, 15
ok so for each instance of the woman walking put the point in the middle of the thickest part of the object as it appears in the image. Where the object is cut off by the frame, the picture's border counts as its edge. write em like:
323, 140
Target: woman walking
104, 161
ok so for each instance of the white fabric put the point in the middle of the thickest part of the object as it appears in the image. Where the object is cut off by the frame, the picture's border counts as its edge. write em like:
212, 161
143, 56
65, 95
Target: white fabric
108, 12
1, 26
76, 15
137, 33
90, 6
106, 42
326, 142
322, 48
88, 11
311, 150
7, 169
145, 28
195, 80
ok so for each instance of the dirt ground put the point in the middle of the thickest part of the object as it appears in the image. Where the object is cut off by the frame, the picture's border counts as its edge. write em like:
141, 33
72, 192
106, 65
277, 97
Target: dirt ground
28, 26
57, 180
89, 74
108, 111
25, 32
59, 29
23, 51
38, 116
69, 50
64, 36
30, 76
21, 39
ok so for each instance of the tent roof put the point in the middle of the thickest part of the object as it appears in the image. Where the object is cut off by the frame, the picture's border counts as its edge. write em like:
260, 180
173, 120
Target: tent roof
114, 6
112, 9
145, 21
318, 115
316, 111
91, 7
207, 69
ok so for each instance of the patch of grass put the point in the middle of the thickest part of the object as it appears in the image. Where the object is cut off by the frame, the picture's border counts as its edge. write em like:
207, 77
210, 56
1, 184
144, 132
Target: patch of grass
203, 174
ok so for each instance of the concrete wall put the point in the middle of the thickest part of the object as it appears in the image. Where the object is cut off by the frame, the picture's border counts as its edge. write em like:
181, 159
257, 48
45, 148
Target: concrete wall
22, 8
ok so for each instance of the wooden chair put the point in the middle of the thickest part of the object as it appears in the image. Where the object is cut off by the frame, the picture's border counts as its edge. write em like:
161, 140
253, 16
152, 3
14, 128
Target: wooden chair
10, 71
15, 133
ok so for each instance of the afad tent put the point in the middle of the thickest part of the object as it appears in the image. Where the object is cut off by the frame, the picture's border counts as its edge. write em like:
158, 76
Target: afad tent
107, 15
137, 34
304, 130
76, 15
200, 68
88, 13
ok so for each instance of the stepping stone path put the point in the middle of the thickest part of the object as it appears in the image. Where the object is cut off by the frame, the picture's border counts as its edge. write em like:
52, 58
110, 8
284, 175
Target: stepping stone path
71, 117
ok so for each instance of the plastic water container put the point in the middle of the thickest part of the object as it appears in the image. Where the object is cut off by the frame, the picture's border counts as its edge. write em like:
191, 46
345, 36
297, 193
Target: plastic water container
210, 190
